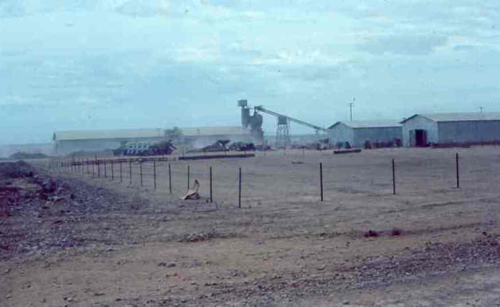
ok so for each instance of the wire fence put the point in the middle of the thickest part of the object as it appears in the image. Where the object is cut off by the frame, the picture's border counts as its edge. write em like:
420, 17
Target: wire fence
270, 177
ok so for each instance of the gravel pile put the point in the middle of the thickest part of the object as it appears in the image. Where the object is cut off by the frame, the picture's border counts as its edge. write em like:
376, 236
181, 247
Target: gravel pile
39, 213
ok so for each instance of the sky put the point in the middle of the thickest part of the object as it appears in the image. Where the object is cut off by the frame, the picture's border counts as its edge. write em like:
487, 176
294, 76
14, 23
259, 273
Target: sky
126, 64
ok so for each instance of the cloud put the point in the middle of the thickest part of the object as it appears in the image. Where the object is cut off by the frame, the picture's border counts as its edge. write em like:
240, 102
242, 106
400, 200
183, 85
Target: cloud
11, 9
463, 48
404, 44
124, 63
138, 8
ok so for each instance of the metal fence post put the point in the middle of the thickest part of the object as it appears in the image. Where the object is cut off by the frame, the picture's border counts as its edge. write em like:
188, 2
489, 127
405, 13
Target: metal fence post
239, 191
130, 164
321, 178
140, 166
393, 177
169, 178
458, 171
154, 173
211, 191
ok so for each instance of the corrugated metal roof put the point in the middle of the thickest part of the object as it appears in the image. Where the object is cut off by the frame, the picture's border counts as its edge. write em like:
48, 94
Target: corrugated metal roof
145, 133
456, 117
107, 134
357, 124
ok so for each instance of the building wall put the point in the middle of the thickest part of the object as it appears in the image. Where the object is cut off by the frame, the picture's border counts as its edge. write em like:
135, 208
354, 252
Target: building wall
376, 134
202, 141
341, 133
67, 147
420, 123
469, 131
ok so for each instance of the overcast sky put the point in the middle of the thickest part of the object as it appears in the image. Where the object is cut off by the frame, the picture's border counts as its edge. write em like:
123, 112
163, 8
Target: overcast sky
89, 64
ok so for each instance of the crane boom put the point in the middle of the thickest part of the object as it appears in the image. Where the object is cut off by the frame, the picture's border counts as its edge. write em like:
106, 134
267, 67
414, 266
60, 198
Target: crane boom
298, 121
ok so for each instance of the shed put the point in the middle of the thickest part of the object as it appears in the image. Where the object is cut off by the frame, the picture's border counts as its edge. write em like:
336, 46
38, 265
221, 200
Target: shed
357, 133
421, 130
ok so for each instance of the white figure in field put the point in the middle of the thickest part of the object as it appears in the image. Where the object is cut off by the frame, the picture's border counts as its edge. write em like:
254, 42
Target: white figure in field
193, 192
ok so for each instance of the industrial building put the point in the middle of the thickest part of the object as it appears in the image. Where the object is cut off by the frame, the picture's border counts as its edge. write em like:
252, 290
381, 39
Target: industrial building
66, 142
357, 133
204, 136
422, 130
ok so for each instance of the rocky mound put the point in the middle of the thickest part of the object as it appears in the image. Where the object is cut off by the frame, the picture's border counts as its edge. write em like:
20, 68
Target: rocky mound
20, 169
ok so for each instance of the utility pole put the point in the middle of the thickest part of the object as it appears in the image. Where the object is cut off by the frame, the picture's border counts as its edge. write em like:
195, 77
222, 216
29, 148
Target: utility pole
351, 105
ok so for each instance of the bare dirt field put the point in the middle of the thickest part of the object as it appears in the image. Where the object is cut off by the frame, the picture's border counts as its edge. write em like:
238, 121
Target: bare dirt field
68, 238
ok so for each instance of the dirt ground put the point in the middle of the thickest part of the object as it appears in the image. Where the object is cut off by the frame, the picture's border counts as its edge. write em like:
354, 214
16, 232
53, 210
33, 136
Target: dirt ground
69, 238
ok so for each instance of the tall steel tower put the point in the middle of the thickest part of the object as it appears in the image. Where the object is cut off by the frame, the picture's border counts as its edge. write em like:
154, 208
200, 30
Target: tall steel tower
283, 132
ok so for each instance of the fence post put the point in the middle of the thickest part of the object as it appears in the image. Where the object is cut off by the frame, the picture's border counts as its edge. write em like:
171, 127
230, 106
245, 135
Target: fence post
211, 195
130, 164
458, 171
93, 168
169, 178
393, 177
105, 170
239, 191
98, 169
121, 174
321, 178
154, 172
140, 166
189, 171
112, 170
